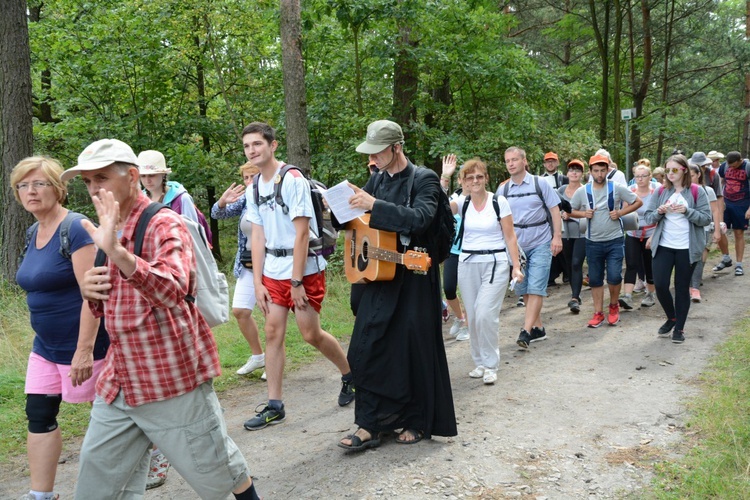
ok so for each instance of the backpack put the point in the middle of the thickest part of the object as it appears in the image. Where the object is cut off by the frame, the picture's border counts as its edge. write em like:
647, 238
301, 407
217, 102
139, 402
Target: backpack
693, 189
212, 291
177, 207
64, 235
443, 226
628, 222
323, 243
496, 207
547, 220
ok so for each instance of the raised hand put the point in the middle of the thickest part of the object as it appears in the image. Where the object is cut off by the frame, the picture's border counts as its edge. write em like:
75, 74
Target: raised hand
232, 194
449, 165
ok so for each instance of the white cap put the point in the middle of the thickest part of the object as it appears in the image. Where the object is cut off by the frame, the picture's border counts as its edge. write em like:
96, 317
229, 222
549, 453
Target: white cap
101, 154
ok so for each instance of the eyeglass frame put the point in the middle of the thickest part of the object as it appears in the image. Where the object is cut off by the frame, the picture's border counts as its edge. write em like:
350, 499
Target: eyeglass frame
24, 186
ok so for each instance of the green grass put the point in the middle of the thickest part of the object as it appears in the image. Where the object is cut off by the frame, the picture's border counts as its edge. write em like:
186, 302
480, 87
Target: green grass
16, 338
717, 463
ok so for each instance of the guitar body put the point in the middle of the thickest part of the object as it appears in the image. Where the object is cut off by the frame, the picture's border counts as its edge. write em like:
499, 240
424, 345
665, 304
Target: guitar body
359, 264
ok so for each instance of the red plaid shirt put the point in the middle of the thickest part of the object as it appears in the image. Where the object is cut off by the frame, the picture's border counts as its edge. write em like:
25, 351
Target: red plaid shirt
161, 345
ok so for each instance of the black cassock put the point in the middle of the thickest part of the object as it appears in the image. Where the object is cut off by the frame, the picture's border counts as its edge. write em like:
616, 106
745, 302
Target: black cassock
396, 352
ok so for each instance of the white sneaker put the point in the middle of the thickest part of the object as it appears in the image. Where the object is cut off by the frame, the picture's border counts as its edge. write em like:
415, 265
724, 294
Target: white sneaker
477, 372
263, 377
251, 366
463, 333
490, 377
640, 286
457, 325
157, 471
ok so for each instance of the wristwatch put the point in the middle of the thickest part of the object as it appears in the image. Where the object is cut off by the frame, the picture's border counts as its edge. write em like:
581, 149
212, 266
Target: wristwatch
295, 283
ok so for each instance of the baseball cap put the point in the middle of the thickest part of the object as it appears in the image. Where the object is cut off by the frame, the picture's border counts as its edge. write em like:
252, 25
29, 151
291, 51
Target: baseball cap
380, 135
598, 158
152, 162
551, 156
100, 154
575, 163
715, 155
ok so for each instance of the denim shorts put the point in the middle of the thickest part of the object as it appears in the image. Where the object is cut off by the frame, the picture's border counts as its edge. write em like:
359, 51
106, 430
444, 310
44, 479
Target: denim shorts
600, 252
536, 274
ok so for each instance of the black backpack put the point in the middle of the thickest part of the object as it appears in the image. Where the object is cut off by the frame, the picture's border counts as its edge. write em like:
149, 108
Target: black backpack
64, 235
443, 227
324, 243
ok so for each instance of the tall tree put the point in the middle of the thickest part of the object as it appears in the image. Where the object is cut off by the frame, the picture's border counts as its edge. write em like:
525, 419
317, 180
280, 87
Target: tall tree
405, 72
16, 131
746, 129
295, 99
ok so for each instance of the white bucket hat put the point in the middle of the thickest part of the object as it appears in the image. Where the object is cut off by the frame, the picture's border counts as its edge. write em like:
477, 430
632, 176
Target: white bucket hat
152, 162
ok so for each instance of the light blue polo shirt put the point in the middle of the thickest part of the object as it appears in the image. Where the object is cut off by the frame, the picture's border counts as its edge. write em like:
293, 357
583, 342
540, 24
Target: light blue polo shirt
529, 209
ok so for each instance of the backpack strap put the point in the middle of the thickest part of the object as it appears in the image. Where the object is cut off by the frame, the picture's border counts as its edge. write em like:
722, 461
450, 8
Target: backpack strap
140, 232
277, 186
694, 190
65, 233
611, 174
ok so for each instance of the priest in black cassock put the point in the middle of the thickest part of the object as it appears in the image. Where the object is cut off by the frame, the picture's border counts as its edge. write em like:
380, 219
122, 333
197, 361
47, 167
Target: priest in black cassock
396, 352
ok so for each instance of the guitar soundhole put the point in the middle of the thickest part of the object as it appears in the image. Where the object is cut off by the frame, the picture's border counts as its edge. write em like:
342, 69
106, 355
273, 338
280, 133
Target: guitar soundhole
362, 258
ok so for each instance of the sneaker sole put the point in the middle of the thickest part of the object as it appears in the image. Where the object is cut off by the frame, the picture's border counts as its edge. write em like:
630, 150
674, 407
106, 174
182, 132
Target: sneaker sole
595, 326
625, 305
574, 310
522, 344
647, 305
537, 340
677, 341
613, 324
695, 301
272, 422
665, 335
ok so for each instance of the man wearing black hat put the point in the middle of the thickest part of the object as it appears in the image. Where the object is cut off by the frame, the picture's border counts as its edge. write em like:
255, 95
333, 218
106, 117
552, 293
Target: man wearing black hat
736, 174
396, 352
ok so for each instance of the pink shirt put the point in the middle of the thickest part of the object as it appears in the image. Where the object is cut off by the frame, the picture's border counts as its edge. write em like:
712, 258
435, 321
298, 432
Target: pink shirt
161, 347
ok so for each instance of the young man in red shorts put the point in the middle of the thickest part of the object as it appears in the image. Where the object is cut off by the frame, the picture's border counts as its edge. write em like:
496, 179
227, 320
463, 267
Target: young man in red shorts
287, 276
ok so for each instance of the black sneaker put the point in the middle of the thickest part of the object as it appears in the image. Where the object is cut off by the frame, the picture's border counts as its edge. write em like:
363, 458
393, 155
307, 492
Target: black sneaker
678, 336
265, 417
520, 302
574, 306
524, 339
346, 395
666, 327
723, 265
537, 334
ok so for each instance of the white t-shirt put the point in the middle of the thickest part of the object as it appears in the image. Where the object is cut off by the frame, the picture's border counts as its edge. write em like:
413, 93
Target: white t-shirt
278, 227
482, 230
676, 232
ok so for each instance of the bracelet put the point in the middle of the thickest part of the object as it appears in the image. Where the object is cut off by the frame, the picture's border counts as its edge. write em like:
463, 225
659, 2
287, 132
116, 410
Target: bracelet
443, 176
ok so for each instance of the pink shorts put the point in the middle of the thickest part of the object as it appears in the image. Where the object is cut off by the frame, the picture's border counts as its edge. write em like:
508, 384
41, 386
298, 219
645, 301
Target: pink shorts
46, 377
281, 290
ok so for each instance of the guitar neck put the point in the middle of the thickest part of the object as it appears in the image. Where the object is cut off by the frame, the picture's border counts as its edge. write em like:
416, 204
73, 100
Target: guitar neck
386, 255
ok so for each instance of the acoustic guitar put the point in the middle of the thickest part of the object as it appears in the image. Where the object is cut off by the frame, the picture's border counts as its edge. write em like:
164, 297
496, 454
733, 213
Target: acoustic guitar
371, 255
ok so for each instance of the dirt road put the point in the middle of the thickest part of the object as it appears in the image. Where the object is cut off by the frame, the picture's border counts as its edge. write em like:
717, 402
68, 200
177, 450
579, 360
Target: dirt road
581, 415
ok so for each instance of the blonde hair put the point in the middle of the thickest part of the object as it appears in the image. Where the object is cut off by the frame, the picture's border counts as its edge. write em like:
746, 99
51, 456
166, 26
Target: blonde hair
249, 168
644, 161
474, 165
642, 166
49, 168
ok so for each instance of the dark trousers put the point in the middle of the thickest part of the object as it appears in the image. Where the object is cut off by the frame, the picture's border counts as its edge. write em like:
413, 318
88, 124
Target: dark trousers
666, 260
450, 276
637, 258
574, 250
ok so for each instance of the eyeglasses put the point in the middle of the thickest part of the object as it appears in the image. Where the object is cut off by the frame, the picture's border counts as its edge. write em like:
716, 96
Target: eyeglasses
23, 186
644, 176
474, 178
674, 170
572, 170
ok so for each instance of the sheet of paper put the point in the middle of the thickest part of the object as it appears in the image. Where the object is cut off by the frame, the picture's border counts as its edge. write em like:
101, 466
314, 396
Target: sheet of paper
337, 198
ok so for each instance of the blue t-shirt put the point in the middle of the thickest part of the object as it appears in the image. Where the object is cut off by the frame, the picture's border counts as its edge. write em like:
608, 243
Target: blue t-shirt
54, 298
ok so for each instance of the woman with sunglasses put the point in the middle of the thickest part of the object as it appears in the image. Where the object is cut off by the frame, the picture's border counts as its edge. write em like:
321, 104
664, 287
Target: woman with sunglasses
637, 255
488, 247
574, 237
680, 211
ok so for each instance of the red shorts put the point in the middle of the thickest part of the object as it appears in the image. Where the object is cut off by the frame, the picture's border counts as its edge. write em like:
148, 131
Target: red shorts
281, 290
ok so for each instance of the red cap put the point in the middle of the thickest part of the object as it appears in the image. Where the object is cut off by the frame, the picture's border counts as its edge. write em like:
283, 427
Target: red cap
551, 156
598, 159
576, 163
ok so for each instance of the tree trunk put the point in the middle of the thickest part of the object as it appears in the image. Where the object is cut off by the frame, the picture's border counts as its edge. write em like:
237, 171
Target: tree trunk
405, 78
16, 131
640, 90
617, 83
746, 132
669, 17
295, 99
602, 43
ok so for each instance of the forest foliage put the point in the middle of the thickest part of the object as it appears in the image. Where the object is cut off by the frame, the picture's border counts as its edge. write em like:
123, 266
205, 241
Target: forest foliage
183, 77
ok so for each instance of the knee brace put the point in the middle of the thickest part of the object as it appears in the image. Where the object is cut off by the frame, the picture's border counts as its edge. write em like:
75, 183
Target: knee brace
41, 411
